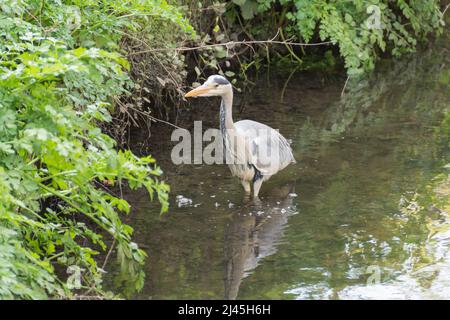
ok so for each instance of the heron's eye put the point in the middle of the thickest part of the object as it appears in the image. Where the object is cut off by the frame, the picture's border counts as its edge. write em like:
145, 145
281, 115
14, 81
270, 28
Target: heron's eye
216, 85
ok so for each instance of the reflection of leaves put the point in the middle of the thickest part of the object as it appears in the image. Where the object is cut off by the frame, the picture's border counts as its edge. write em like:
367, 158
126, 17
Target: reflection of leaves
394, 91
410, 206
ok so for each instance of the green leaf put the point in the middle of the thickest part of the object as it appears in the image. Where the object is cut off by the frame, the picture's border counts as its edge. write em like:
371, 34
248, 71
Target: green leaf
6, 148
249, 9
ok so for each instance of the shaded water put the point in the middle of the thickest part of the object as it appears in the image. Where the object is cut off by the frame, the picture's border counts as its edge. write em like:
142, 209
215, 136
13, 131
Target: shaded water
363, 213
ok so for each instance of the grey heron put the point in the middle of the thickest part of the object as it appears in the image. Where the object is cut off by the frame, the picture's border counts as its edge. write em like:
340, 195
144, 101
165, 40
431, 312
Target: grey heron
254, 151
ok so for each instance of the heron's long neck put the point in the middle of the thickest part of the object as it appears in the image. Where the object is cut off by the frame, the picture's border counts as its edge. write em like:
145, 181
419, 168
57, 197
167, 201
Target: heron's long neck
226, 111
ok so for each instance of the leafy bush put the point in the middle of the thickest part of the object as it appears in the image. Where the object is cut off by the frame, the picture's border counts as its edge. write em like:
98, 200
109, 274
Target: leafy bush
60, 73
361, 29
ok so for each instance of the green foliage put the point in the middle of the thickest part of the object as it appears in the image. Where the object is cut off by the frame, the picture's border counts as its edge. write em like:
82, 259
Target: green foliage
361, 29
60, 73
18, 265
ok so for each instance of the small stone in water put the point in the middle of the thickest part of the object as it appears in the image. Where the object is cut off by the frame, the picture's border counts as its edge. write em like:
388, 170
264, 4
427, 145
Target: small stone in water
293, 195
183, 201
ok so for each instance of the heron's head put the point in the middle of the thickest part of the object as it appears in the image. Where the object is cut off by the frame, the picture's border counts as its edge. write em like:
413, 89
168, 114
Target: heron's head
214, 86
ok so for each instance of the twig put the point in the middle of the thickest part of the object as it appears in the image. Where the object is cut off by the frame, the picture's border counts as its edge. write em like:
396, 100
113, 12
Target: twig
233, 43
87, 297
287, 81
154, 119
289, 48
345, 86
445, 10
163, 121
125, 110
108, 254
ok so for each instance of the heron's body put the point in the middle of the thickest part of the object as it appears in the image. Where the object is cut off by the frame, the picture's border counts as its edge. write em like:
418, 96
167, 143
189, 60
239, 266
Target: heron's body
253, 151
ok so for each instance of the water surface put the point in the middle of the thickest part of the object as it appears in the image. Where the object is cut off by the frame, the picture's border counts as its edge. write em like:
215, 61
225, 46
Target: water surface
363, 213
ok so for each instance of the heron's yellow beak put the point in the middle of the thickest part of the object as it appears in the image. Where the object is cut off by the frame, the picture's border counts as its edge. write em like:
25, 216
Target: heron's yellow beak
197, 91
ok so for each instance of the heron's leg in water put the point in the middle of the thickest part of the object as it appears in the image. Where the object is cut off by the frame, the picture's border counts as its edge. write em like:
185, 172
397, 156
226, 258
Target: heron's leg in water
256, 186
246, 185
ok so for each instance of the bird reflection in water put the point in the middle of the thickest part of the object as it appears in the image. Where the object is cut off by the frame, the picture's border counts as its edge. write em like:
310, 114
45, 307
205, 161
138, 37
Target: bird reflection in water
254, 233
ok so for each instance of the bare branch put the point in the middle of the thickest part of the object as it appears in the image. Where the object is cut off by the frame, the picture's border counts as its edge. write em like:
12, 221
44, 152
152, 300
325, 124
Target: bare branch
445, 10
234, 43
345, 86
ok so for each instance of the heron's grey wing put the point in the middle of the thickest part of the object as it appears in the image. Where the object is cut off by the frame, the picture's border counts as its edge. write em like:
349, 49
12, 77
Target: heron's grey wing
270, 153
267, 149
